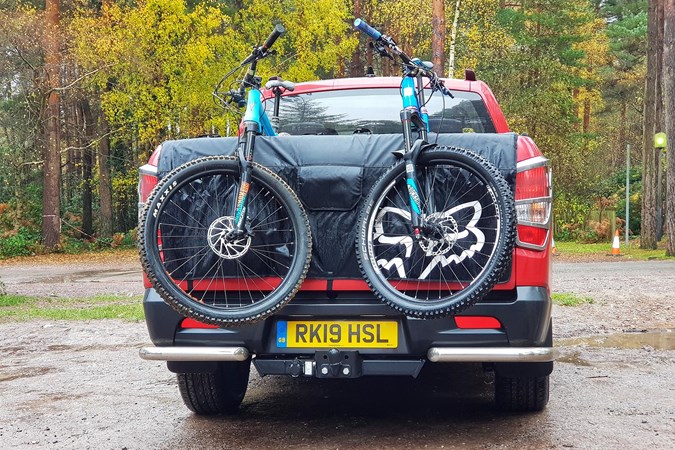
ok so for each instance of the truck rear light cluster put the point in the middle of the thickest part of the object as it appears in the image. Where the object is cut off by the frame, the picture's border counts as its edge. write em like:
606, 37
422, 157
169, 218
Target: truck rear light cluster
533, 202
147, 178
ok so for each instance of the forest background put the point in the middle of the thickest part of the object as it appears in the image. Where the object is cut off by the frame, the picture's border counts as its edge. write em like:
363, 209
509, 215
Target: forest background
88, 89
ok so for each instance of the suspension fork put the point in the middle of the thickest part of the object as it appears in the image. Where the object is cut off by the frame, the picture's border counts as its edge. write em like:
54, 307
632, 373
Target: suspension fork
409, 155
245, 159
414, 114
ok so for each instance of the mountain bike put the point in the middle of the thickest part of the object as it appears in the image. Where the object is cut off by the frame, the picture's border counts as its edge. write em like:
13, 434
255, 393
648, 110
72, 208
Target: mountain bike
437, 230
223, 239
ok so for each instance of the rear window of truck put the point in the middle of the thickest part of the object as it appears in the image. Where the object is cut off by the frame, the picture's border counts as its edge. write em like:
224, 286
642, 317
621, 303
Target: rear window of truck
376, 111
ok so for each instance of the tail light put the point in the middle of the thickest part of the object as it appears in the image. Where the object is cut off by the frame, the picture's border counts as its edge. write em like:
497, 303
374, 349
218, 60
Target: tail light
147, 178
533, 202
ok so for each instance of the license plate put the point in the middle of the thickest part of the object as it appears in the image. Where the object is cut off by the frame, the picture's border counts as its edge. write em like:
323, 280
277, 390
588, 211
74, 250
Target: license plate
337, 334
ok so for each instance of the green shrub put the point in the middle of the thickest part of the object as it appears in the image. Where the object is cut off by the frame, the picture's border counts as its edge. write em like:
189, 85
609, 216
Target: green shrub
23, 243
570, 214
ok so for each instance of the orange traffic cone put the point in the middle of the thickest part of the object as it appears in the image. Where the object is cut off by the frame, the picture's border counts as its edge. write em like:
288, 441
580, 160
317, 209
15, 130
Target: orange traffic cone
553, 250
616, 251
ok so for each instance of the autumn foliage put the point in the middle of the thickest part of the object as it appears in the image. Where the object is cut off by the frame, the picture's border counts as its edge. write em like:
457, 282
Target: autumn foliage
132, 74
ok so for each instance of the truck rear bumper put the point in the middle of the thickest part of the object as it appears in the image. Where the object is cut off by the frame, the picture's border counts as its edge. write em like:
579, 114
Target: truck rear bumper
492, 354
435, 354
521, 342
194, 353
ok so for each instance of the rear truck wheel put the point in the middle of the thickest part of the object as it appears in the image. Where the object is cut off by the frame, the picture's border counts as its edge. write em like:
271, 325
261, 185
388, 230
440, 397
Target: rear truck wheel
197, 262
219, 392
458, 255
521, 394
524, 387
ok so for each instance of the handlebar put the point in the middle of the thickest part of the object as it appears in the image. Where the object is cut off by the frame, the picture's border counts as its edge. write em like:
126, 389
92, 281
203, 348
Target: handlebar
413, 65
238, 95
261, 52
274, 35
370, 31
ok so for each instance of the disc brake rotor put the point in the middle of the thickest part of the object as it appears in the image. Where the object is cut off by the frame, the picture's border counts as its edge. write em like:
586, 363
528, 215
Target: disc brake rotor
443, 235
228, 248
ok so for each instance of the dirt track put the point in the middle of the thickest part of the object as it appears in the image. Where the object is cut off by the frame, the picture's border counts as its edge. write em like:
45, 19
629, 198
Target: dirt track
82, 385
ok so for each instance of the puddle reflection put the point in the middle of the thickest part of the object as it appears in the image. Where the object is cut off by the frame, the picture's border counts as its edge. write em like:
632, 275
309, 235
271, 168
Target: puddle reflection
656, 339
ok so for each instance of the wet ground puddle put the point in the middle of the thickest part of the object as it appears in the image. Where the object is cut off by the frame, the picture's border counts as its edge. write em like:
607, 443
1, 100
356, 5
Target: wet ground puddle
656, 339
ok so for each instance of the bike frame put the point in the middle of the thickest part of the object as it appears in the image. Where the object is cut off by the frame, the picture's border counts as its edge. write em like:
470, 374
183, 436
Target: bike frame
255, 122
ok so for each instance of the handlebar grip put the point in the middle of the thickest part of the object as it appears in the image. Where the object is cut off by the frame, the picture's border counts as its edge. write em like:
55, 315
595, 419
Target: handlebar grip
370, 31
274, 35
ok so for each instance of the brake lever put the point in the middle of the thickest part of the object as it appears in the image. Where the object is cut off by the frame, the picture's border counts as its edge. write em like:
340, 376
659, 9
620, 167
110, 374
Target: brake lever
257, 54
381, 50
441, 87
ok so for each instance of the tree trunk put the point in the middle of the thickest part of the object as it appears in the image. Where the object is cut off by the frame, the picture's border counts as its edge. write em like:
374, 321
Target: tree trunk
659, 122
105, 185
648, 222
438, 36
70, 143
587, 115
453, 37
669, 91
51, 197
575, 94
356, 65
87, 168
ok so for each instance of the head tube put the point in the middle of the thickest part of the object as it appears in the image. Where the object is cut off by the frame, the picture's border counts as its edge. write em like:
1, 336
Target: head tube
408, 93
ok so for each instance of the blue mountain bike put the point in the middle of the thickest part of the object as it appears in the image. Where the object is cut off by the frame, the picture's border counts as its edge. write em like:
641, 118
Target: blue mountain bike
437, 229
223, 239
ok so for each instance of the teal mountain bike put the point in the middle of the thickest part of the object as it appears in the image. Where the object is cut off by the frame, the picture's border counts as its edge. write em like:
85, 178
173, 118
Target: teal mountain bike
437, 230
223, 239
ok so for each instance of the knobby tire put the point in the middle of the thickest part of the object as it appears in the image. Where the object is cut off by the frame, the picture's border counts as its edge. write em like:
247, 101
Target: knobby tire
445, 274
187, 263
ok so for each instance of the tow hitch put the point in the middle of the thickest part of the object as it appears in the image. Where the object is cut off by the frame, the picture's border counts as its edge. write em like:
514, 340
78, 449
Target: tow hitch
336, 363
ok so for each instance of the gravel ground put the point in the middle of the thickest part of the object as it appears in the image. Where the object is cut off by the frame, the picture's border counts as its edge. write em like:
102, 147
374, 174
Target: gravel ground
85, 275
82, 385
627, 296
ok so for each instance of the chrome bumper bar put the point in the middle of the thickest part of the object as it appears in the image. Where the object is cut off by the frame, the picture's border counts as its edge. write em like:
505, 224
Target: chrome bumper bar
435, 354
492, 354
194, 353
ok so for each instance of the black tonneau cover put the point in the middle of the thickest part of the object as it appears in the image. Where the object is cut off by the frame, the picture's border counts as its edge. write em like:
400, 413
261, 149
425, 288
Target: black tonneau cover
331, 175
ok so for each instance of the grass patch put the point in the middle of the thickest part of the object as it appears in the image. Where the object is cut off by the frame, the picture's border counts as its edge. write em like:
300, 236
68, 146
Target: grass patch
23, 308
632, 251
12, 300
569, 299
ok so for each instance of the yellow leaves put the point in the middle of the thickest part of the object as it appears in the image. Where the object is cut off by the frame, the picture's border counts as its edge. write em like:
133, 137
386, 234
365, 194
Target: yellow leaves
408, 21
317, 39
160, 62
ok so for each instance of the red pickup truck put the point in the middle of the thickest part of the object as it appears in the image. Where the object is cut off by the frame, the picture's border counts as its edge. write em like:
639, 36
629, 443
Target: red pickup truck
349, 126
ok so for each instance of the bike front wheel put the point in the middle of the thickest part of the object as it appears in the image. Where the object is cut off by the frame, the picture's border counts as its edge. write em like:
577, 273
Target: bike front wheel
202, 269
461, 251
